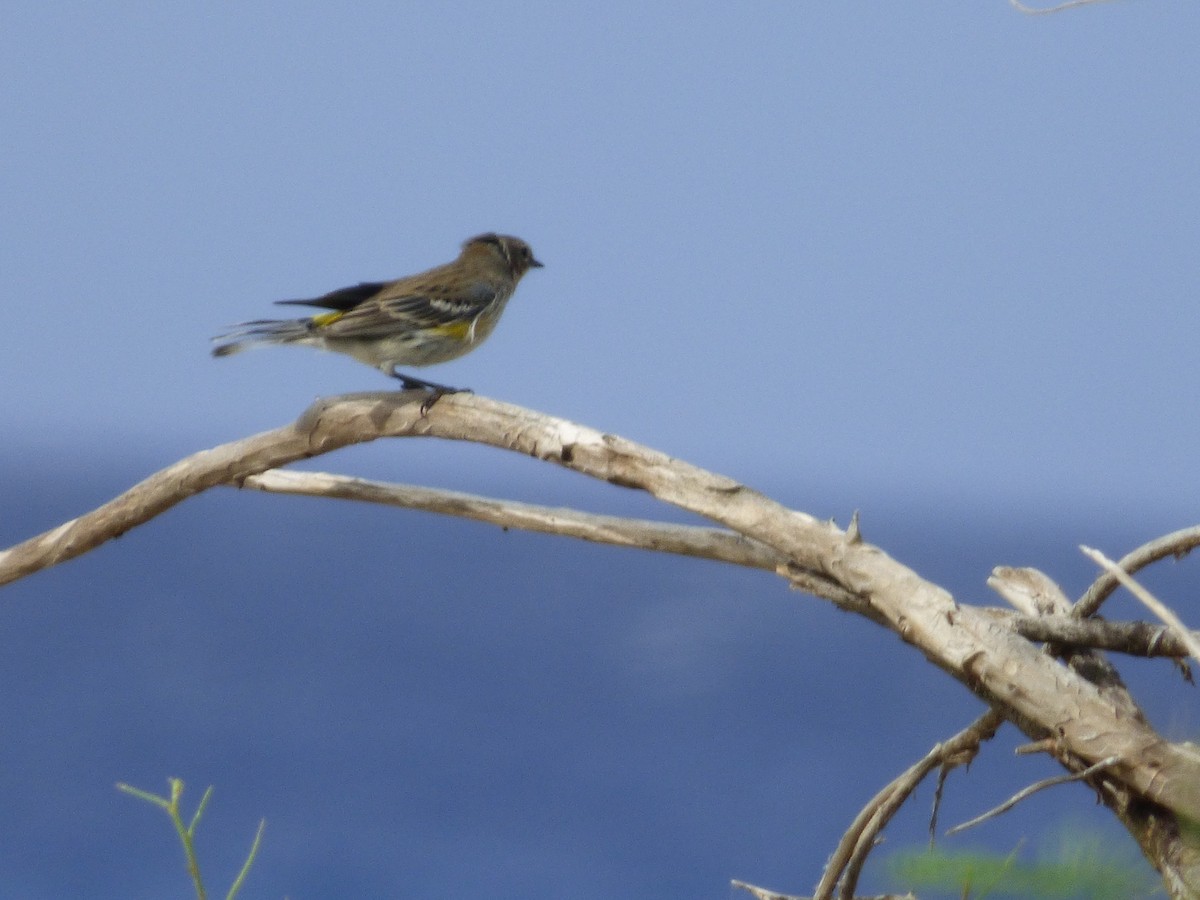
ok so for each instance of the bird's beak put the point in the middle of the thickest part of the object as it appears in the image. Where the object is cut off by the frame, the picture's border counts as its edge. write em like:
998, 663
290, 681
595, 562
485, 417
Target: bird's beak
534, 264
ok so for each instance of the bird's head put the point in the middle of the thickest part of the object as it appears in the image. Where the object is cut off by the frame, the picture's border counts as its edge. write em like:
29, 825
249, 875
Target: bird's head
512, 253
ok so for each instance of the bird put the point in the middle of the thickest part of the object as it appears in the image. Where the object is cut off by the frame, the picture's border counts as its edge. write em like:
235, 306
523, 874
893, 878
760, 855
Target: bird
421, 320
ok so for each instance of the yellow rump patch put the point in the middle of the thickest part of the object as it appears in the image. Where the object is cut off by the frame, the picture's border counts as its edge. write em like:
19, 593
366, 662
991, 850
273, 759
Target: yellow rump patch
327, 318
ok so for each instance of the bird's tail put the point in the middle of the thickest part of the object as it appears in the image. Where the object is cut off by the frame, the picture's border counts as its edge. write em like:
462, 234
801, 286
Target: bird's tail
261, 333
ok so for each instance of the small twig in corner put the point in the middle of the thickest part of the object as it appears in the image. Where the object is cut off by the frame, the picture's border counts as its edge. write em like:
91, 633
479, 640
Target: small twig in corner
1033, 789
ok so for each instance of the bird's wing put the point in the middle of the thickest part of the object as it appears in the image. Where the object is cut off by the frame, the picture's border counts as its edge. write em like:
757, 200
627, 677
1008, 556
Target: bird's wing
342, 299
433, 307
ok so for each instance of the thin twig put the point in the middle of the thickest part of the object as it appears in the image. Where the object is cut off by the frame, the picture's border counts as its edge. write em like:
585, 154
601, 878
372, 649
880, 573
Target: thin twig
847, 859
1177, 544
1033, 789
1160, 609
686, 540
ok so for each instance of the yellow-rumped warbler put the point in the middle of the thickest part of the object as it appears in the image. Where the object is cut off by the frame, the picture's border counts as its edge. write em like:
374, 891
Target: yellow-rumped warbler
420, 320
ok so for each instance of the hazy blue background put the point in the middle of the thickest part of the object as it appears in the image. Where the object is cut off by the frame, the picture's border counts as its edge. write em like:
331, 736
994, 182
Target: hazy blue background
936, 262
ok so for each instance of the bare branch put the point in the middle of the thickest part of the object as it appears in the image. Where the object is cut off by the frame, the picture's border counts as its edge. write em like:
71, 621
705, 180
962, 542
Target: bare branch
1160, 609
1050, 617
1177, 544
1132, 638
228, 463
686, 540
1035, 691
1033, 789
1037, 594
819, 585
846, 863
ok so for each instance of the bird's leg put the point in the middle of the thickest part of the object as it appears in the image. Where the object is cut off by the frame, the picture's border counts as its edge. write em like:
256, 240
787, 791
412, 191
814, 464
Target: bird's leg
436, 391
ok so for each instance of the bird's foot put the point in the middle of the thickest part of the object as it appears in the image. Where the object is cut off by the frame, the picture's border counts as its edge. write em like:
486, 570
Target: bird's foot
436, 391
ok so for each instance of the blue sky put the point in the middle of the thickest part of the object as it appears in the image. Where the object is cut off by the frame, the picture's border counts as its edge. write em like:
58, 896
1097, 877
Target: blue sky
920, 259
943, 246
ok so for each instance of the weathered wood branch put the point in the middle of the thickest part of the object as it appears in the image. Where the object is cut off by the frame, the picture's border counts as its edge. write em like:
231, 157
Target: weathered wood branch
1177, 544
1132, 638
846, 862
717, 544
1084, 721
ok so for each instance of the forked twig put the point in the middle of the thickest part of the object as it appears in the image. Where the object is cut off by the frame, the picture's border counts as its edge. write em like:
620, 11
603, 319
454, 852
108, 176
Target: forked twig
846, 863
1177, 544
1156, 606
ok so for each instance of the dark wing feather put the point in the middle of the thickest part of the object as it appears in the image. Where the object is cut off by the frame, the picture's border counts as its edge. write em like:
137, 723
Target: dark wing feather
427, 308
344, 298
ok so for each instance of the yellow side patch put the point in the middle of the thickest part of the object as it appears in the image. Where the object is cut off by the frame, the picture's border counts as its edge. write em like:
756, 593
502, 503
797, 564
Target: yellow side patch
327, 318
460, 331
